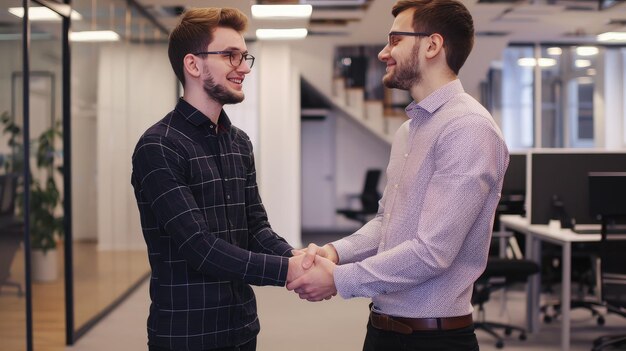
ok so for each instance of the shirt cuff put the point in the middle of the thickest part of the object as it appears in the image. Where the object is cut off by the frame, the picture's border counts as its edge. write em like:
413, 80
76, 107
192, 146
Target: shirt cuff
284, 268
268, 270
344, 250
345, 281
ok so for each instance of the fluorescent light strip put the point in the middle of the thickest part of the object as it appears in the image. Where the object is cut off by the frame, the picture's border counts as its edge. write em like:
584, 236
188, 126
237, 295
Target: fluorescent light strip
527, 62
587, 50
94, 36
282, 11
277, 34
619, 37
582, 63
555, 51
532, 62
43, 14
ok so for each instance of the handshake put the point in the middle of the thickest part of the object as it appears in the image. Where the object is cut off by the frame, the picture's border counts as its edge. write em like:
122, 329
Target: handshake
310, 273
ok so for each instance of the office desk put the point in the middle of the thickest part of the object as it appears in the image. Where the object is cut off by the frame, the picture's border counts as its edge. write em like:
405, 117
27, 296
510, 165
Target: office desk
535, 234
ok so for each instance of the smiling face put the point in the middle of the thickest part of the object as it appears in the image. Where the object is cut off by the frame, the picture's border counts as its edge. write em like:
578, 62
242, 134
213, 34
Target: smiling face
222, 81
401, 54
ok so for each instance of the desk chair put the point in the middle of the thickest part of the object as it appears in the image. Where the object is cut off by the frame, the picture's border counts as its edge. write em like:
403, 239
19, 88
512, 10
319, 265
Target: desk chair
583, 272
369, 199
500, 273
10, 229
613, 280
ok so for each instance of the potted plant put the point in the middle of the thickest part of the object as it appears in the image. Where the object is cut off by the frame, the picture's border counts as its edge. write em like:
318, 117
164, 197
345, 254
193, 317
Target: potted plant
45, 198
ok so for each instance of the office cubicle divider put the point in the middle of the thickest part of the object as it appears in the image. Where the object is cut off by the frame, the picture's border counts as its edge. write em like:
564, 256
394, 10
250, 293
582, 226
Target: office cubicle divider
558, 185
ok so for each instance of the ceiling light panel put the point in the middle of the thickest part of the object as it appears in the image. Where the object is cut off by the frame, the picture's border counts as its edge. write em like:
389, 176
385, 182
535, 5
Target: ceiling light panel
42, 14
612, 37
94, 36
281, 11
587, 51
278, 34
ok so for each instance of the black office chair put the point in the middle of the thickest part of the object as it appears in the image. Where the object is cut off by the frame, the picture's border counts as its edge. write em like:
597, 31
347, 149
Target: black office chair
583, 261
583, 273
613, 278
607, 192
10, 229
500, 273
368, 198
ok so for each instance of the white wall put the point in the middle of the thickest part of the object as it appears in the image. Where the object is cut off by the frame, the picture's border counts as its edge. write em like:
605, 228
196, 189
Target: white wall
132, 95
314, 59
474, 71
278, 156
609, 104
357, 151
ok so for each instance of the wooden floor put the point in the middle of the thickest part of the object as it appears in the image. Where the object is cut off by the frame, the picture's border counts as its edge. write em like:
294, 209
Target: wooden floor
100, 277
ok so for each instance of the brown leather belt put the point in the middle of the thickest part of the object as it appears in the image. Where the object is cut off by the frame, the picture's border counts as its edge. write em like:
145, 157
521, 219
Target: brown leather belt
404, 325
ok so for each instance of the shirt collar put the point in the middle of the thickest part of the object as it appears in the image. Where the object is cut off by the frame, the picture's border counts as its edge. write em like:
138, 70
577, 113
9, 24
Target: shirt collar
435, 100
197, 118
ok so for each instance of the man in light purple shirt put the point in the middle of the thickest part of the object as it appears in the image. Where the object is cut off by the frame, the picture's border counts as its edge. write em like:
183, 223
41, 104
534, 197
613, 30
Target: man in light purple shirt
419, 257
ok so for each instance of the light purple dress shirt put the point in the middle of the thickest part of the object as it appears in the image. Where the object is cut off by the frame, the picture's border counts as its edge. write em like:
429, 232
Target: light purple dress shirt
420, 255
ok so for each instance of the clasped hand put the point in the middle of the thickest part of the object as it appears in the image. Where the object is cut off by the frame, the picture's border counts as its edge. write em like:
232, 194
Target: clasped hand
311, 271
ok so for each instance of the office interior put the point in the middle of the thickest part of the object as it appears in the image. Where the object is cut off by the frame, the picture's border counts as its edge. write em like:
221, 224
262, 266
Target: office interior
317, 115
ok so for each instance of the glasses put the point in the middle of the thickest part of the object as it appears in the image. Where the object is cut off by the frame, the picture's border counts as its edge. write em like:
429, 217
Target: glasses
392, 36
236, 57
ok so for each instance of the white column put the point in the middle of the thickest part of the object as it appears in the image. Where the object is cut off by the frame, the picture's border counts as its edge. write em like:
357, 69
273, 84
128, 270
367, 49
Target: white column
610, 124
278, 155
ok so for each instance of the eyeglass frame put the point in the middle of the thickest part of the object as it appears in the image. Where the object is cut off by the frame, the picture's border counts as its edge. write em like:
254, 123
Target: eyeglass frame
244, 56
411, 34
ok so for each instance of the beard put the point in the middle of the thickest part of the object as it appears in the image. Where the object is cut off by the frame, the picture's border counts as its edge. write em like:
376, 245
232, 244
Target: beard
405, 76
218, 92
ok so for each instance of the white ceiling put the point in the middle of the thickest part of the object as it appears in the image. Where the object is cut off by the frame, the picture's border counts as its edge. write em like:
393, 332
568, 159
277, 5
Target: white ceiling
518, 20
576, 21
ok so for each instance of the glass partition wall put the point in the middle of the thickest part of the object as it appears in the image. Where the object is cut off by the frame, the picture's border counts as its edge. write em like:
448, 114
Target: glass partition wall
111, 101
46, 157
12, 272
546, 95
82, 130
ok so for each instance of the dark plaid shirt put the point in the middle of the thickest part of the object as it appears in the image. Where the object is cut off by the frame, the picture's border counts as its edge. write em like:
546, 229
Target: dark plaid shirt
207, 232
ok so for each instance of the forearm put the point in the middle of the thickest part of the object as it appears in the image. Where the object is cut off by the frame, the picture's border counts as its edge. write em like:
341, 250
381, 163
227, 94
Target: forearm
268, 242
217, 258
360, 245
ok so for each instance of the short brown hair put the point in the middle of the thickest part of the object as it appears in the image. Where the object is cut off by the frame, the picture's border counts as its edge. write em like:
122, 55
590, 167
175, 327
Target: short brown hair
450, 18
194, 32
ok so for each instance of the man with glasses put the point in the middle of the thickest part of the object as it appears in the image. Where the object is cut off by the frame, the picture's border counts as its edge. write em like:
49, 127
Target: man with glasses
419, 257
194, 178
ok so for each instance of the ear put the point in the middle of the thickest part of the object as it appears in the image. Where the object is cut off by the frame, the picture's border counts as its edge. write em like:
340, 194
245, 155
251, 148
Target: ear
191, 65
435, 46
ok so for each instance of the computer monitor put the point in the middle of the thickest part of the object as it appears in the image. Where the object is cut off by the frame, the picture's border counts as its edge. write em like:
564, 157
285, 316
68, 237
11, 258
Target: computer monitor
559, 185
607, 194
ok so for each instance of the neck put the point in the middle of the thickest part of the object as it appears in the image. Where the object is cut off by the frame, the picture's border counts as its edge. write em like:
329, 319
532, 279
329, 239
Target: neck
198, 99
432, 79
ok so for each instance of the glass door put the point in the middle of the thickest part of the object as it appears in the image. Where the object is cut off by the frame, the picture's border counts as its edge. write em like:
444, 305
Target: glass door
12, 272
46, 213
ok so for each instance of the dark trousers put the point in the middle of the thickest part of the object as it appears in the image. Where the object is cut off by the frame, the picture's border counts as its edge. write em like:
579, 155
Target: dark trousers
463, 339
249, 346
